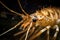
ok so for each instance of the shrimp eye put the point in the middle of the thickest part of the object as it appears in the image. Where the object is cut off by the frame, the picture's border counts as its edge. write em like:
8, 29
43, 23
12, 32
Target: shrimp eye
34, 20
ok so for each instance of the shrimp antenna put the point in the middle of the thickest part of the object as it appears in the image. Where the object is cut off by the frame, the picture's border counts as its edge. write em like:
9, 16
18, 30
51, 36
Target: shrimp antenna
16, 24
10, 9
22, 8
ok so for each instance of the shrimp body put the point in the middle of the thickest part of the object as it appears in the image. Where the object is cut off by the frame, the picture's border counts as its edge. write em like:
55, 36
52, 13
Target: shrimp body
47, 17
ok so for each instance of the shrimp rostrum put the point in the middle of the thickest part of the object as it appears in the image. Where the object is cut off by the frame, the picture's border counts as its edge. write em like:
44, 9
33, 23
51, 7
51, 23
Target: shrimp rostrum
46, 18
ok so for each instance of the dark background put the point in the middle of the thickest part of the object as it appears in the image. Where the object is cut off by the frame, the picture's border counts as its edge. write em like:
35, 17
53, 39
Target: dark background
30, 6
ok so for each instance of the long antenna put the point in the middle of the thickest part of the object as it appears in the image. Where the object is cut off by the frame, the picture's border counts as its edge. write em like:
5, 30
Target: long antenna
11, 28
12, 12
28, 31
10, 9
22, 8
